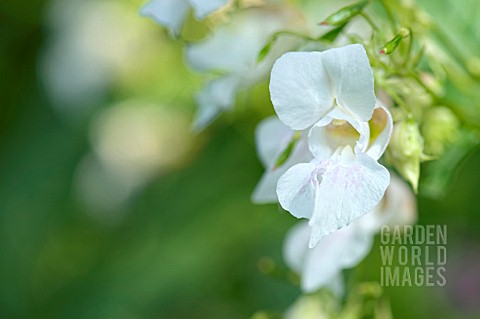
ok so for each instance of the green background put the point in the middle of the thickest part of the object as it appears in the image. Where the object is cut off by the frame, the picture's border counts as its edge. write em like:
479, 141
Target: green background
189, 243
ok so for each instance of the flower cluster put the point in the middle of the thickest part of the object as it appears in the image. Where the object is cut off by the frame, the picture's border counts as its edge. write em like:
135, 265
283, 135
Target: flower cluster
322, 149
334, 175
321, 157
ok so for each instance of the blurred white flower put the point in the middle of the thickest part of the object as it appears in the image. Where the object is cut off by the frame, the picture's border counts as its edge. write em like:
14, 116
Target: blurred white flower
232, 50
133, 143
172, 13
92, 43
331, 93
322, 265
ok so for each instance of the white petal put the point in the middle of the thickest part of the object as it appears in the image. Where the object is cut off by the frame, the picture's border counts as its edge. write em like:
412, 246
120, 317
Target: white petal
347, 191
401, 205
359, 245
169, 13
300, 90
271, 136
234, 47
296, 190
379, 144
340, 250
204, 7
398, 207
351, 79
266, 189
295, 247
337, 286
215, 97
207, 112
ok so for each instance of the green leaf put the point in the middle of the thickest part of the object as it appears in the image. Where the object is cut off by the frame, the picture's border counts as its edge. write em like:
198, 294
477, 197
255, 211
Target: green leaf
344, 15
266, 49
332, 35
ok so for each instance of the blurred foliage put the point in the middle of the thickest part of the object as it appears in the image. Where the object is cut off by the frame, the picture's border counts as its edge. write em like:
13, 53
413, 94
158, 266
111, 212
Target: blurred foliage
189, 243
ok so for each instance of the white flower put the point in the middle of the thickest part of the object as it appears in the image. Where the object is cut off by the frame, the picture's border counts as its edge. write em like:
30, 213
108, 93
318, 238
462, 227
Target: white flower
272, 137
172, 13
232, 50
91, 44
331, 93
306, 86
343, 249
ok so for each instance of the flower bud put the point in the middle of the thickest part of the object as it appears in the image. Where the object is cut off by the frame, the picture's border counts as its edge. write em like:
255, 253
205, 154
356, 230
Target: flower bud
406, 140
393, 44
440, 129
310, 307
343, 15
406, 150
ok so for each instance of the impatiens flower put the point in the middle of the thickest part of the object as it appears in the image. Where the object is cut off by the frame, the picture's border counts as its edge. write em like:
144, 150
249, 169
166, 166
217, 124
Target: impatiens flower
306, 86
322, 265
232, 51
172, 13
273, 138
331, 94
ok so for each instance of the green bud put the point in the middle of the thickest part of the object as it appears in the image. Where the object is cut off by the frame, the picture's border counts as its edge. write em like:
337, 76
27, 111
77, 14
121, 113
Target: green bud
344, 15
413, 94
406, 140
319, 305
393, 44
405, 150
440, 129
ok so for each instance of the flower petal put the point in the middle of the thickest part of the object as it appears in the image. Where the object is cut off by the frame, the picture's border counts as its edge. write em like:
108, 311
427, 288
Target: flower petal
204, 7
351, 79
215, 97
266, 189
340, 250
296, 190
398, 207
401, 206
169, 13
271, 136
300, 90
295, 248
381, 120
348, 190
234, 47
